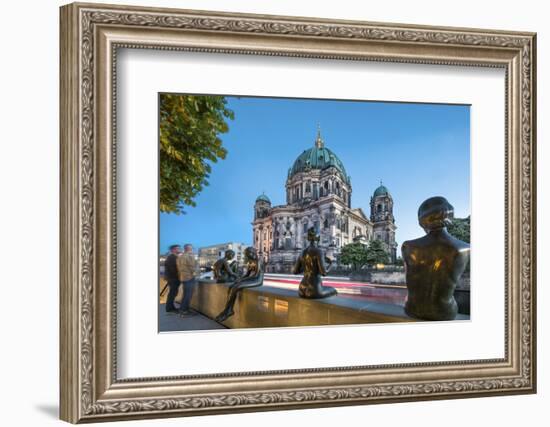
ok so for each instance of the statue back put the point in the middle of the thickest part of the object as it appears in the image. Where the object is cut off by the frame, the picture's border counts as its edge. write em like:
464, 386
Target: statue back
434, 264
312, 259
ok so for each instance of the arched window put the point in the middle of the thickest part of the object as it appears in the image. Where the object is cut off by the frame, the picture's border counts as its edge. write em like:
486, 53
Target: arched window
325, 224
379, 208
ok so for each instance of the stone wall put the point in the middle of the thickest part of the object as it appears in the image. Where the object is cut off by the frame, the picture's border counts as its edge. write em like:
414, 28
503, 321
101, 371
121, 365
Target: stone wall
267, 306
380, 277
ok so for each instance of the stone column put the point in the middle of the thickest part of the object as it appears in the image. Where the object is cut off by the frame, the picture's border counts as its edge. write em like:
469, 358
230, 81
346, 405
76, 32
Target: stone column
299, 228
257, 239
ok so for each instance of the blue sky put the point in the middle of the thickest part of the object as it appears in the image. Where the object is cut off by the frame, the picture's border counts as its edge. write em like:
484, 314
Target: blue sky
417, 150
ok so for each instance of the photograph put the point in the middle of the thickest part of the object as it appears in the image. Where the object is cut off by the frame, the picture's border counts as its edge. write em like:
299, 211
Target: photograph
288, 212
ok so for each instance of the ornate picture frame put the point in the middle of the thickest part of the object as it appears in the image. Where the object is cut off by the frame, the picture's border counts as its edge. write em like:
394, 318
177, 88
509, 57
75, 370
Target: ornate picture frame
90, 37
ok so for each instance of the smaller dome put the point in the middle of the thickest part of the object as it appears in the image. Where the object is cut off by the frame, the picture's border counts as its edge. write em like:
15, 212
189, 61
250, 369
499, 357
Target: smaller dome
381, 191
262, 198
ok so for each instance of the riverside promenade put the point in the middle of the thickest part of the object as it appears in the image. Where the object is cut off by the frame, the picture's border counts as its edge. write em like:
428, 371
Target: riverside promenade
276, 304
170, 322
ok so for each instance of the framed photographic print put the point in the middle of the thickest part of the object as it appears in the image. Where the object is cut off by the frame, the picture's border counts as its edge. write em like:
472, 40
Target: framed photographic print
314, 212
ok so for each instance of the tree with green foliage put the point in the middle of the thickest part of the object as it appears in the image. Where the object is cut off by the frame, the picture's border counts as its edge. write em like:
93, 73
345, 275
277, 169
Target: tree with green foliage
354, 254
189, 142
460, 229
376, 254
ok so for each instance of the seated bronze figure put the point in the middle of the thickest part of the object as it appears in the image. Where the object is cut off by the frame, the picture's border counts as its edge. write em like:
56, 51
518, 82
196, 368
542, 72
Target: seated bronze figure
434, 263
312, 264
225, 269
254, 276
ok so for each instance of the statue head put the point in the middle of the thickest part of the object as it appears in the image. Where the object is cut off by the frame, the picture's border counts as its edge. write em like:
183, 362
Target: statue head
250, 253
435, 213
312, 235
230, 254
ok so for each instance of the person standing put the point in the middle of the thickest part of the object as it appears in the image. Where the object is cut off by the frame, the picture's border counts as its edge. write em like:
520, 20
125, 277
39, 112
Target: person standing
188, 269
172, 277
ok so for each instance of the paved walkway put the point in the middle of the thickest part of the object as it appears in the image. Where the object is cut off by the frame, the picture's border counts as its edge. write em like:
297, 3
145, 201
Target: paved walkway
172, 322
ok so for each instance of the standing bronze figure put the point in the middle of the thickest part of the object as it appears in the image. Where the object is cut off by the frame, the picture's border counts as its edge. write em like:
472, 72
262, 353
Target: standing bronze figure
312, 264
434, 263
253, 277
225, 269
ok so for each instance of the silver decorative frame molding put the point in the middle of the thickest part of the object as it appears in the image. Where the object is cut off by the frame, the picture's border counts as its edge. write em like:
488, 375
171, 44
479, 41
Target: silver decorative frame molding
90, 36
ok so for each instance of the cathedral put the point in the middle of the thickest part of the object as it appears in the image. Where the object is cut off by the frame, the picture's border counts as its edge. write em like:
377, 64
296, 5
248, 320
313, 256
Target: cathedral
318, 194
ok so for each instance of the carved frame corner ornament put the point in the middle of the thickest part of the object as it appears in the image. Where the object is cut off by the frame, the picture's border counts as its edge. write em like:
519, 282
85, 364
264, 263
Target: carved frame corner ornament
90, 36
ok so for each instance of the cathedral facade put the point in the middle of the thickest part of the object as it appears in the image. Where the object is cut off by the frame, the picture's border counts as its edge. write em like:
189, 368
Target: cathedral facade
319, 194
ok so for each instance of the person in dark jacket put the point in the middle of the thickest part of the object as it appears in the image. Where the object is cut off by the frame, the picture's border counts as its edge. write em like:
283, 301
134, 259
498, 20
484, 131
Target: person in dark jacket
172, 277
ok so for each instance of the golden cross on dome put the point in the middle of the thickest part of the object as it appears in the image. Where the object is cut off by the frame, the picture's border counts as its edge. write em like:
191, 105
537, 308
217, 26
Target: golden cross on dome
319, 141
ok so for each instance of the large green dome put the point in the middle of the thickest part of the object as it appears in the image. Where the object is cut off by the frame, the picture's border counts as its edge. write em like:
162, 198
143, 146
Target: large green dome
318, 157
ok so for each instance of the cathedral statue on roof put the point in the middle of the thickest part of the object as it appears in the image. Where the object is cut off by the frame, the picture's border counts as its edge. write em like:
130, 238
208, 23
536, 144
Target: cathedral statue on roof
318, 195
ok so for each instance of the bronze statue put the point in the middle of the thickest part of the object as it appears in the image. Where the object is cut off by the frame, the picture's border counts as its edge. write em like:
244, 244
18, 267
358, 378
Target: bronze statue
253, 277
225, 269
312, 264
434, 263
